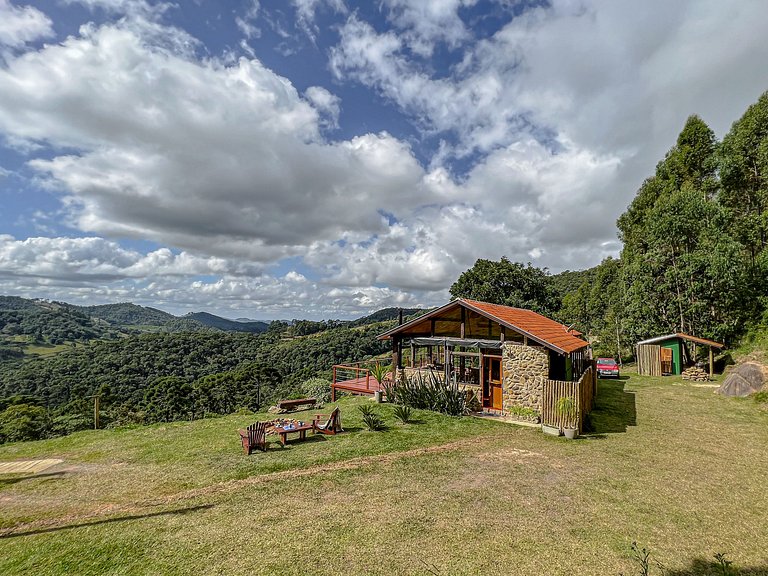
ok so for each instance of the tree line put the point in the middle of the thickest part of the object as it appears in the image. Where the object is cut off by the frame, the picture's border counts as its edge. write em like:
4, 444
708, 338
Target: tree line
169, 376
694, 256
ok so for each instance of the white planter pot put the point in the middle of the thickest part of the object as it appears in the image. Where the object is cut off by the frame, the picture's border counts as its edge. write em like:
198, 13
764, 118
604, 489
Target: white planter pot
551, 430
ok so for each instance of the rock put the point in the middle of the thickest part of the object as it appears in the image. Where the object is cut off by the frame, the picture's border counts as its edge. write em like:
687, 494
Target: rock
744, 379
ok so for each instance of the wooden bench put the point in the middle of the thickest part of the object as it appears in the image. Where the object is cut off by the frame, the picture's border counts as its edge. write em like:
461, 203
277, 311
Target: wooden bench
294, 404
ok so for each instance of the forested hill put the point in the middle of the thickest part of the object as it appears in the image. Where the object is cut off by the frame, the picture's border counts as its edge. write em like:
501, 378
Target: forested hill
47, 322
127, 314
226, 325
131, 371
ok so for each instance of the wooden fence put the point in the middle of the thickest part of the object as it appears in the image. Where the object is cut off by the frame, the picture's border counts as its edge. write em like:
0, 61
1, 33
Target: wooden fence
648, 359
583, 393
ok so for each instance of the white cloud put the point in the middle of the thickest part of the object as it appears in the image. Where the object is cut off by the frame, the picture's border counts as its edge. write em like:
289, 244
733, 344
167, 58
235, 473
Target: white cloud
557, 118
95, 259
325, 102
203, 156
22, 24
245, 22
428, 22
569, 106
94, 270
306, 9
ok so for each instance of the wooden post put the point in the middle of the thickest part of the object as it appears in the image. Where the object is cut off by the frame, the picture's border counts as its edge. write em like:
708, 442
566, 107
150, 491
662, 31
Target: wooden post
711, 362
96, 412
463, 320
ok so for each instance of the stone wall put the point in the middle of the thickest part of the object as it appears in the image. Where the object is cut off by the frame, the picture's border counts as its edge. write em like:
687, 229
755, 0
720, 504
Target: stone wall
525, 370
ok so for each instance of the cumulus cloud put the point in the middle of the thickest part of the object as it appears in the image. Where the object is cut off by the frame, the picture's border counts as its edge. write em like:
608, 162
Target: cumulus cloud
97, 259
325, 102
202, 156
94, 270
22, 24
556, 119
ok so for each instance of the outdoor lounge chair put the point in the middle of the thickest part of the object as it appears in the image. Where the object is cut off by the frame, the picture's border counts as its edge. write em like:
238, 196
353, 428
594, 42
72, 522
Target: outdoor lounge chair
327, 423
255, 436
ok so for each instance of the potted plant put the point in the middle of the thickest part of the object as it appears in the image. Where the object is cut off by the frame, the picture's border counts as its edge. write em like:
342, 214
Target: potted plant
381, 373
565, 409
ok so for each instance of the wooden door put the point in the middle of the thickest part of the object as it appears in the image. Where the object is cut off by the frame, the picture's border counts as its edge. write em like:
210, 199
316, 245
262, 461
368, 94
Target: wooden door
666, 360
492, 379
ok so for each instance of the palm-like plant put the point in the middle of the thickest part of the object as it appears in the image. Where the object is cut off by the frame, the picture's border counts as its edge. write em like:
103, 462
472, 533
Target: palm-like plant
380, 372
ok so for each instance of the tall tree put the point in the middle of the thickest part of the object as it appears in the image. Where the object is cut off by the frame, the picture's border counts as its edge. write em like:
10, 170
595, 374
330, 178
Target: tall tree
676, 246
744, 191
508, 283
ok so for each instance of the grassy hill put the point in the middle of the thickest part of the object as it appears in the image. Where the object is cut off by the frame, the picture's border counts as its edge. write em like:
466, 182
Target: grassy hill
670, 465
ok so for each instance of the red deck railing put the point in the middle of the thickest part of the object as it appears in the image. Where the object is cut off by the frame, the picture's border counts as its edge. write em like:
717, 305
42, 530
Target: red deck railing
354, 378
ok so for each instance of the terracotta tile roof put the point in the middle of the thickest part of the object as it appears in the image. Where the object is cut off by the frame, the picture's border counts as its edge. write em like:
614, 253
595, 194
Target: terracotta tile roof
541, 328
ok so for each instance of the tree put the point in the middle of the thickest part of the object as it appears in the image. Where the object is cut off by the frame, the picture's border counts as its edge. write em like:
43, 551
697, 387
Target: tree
169, 398
21, 422
508, 283
681, 267
744, 191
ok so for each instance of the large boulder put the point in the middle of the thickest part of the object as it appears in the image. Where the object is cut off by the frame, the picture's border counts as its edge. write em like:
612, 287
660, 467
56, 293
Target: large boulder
744, 379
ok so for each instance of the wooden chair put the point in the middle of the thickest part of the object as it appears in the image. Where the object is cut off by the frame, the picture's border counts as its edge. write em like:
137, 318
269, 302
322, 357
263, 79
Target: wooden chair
255, 436
327, 423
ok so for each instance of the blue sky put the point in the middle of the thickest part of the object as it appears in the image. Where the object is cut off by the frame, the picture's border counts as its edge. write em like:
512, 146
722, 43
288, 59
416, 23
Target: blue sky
326, 158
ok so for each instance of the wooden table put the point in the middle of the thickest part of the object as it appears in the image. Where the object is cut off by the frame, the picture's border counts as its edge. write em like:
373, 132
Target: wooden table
283, 432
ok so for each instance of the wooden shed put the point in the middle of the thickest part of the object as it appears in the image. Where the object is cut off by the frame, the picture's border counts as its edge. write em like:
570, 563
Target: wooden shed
669, 354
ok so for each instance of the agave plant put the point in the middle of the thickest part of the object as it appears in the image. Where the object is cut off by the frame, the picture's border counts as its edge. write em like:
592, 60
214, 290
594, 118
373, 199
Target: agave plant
371, 418
402, 413
428, 392
380, 372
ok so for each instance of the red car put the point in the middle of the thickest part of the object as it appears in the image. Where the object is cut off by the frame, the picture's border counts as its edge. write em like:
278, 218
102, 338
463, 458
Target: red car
607, 367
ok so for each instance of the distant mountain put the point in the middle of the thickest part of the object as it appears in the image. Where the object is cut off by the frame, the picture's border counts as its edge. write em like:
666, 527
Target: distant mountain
128, 314
226, 325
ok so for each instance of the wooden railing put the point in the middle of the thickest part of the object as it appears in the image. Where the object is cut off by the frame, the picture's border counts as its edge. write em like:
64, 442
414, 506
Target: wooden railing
583, 393
343, 373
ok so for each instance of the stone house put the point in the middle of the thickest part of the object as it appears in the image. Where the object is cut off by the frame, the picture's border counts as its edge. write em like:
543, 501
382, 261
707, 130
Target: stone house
505, 354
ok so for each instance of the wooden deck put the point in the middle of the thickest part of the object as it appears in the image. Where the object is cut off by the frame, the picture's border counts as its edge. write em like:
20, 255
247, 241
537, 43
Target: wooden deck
355, 380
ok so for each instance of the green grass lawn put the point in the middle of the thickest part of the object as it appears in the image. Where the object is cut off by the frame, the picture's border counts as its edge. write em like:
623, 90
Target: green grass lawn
671, 465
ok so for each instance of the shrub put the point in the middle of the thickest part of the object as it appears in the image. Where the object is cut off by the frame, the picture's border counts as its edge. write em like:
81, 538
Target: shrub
565, 407
23, 422
427, 392
318, 388
68, 423
760, 397
402, 413
524, 413
371, 419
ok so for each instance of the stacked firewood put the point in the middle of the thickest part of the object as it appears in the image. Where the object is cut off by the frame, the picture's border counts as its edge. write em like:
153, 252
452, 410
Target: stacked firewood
695, 374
